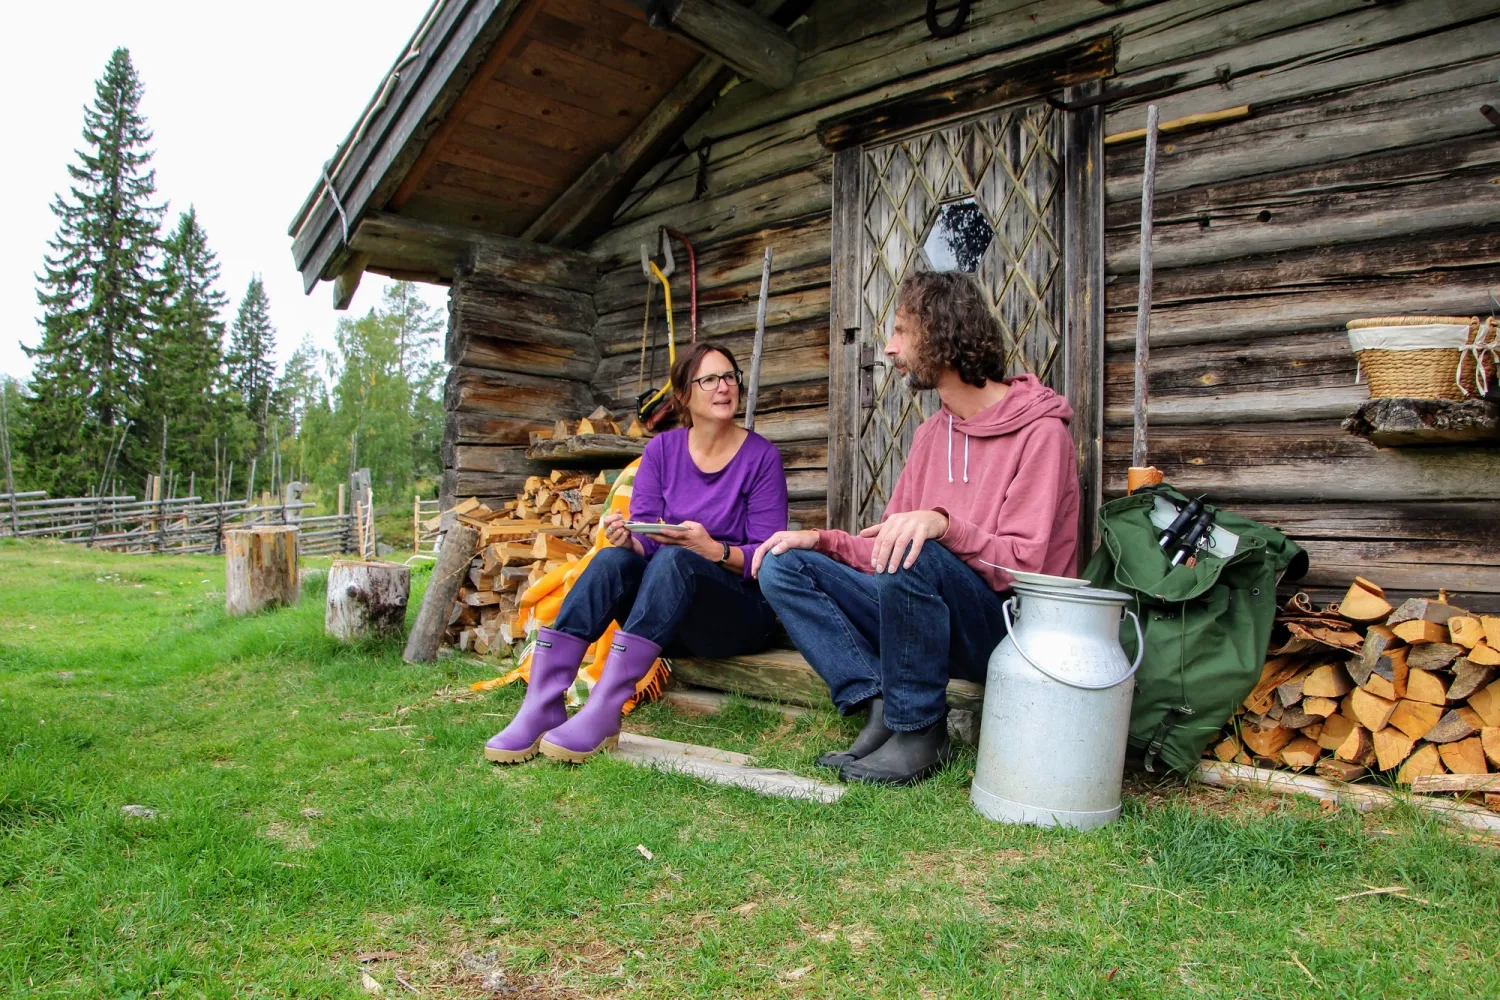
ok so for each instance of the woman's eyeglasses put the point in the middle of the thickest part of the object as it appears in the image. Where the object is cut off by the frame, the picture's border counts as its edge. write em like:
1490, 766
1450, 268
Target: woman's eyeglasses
709, 383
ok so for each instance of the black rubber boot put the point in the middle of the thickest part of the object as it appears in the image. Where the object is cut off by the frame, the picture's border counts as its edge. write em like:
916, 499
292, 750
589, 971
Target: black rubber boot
867, 742
904, 759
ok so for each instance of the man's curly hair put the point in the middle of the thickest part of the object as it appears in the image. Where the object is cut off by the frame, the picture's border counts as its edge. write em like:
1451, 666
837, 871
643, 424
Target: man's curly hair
958, 330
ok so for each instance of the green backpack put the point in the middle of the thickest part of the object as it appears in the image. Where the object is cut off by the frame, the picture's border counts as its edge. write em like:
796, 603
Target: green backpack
1206, 627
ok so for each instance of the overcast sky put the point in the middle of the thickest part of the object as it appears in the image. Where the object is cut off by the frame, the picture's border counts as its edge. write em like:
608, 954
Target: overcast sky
246, 101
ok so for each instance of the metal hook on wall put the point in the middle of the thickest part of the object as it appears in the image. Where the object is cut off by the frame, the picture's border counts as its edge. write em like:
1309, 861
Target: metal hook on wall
953, 27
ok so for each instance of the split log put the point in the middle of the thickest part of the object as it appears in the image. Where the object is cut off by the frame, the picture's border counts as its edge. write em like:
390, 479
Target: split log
1489, 738
1330, 680
1468, 677
1340, 770
1415, 718
1425, 761
449, 573
1418, 631
1464, 756
1390, 422
1229, 749
260, 568
1357, 748
1388, 677
1372, 711
1423, 685
1457, 724
1321, 708
1491, 624
1486, 704
1266, 742
1301, 753
1433, 655
1364, 602
1465, 630
1423, 609
1336, 729
1392, 747
366, 599
1485, 655
1379, 641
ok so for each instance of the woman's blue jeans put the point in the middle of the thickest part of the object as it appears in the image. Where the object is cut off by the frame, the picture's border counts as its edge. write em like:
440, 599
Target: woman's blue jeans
899, 635
676, 599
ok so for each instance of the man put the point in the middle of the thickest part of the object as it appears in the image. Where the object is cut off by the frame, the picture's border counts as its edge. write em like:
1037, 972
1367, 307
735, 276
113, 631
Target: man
887, 616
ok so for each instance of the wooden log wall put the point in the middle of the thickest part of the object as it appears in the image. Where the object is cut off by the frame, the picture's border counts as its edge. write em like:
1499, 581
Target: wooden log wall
521, 353
1362, 183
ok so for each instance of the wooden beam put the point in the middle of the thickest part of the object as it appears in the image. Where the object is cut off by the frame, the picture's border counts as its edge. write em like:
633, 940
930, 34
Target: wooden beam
738, 36
347, 282
444, 250
602, 182
1004, 84
520, 22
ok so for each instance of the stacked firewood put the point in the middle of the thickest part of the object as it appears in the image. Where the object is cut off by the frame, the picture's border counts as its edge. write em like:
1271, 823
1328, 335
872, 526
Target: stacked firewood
551, 523
1364, 686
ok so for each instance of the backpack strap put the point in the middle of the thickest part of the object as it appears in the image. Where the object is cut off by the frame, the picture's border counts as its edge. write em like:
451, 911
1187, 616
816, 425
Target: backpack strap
1169, 722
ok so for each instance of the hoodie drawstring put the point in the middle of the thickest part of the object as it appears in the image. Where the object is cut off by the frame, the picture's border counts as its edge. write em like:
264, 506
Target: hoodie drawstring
950, 451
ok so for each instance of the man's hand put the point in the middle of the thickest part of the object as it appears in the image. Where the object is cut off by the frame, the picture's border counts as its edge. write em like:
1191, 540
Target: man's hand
614, 530
893, 536
781, 542
695, 538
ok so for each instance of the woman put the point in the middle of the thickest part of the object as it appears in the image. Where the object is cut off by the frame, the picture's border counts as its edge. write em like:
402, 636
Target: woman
686, 590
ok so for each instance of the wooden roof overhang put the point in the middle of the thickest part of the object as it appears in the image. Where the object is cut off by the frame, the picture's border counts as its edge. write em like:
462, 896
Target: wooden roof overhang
520, 122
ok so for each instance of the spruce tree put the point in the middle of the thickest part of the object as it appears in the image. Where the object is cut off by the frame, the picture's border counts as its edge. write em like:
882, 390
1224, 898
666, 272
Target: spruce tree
182, 358
251, 366
95, 291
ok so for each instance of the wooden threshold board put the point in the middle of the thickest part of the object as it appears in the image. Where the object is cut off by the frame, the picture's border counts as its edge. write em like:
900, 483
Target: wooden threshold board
722, 767
783, 675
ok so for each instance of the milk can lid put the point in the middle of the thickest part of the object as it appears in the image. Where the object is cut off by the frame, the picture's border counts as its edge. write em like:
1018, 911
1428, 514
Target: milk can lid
1077, 595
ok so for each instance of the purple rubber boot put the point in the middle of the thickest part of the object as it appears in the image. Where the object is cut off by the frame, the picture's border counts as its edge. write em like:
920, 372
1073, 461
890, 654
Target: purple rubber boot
554, 665
596, 726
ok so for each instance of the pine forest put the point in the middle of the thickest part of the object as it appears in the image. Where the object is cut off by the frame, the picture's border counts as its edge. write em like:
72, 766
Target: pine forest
141, 366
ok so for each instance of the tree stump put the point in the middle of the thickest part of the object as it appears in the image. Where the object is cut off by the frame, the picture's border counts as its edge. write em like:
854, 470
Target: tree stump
260, 568
366, 599
448, 575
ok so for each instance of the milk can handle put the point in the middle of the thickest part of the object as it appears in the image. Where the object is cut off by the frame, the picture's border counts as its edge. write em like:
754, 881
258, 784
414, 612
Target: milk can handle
1140, 651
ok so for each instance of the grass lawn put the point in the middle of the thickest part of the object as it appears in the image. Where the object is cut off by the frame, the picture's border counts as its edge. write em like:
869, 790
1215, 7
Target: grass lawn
314, 804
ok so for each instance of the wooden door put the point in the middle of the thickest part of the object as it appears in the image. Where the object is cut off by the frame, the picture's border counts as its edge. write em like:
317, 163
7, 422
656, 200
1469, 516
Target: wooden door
990, 196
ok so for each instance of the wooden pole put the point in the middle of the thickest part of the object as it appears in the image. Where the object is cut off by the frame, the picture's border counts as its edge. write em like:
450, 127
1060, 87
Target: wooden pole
10, 480
448, 574
1141, 473
416, 522
752, 393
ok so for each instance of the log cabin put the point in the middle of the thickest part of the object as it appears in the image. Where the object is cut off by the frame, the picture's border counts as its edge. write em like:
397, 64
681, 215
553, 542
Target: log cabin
1322, 160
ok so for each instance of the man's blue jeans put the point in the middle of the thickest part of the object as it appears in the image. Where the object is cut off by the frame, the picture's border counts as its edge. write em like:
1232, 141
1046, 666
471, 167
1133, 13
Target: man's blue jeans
676, 599
898, 635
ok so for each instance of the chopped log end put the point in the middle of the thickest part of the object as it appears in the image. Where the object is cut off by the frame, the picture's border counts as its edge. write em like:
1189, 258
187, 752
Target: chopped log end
1301, 753
1464, 756
1330, 680
1484, 654
1466, 631
1418, 631
1392, 747
1486, 703
1456, 724
1336, 729
1266, 742
1340, 770
1358, 747
1370, 710
1423, 609
1415, 718
1489, 739
1364, 602
1468, 677
1425, 761
1423, 685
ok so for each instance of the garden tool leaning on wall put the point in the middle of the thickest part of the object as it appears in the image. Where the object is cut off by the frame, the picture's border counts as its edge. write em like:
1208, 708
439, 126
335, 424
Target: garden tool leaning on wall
654, 406
541, 602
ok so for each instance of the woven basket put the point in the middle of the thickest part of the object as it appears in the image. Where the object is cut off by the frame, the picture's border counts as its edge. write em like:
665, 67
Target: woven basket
1426, 357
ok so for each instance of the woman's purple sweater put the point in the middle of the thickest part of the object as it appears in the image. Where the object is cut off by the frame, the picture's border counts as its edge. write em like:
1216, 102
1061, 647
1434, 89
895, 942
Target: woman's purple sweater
743, 503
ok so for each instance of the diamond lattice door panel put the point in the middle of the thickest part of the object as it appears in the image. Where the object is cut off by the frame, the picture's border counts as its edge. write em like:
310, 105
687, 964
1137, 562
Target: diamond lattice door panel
984, 197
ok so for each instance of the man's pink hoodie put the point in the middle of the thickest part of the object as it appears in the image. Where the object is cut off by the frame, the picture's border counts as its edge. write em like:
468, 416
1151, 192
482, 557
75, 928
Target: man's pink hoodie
1007, 480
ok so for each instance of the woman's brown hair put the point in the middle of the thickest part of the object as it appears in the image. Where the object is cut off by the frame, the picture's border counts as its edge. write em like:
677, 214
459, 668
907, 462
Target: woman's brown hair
684, 370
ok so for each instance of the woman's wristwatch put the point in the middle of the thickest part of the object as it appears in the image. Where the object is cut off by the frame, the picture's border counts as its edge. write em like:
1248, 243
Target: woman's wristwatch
724, 560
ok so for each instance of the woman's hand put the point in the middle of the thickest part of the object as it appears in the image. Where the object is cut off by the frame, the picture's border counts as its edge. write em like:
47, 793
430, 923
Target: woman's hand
614, 530
781, 542
897, 532
695, 538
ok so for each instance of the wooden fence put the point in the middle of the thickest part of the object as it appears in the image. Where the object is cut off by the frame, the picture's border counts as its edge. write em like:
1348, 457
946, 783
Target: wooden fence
177, 525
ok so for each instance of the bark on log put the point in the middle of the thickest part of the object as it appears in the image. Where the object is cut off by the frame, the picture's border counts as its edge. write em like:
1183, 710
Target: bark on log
366, 599
450, 572
260, 568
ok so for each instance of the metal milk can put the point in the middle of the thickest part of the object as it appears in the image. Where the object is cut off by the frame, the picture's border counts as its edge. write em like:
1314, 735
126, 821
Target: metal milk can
1056, 710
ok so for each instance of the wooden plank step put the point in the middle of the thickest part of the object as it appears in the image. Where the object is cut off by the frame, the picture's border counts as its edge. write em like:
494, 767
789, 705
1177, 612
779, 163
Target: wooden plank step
722, 767
784, 675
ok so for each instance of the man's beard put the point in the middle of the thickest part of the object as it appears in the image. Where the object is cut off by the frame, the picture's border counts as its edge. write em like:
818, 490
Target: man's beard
916, 376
